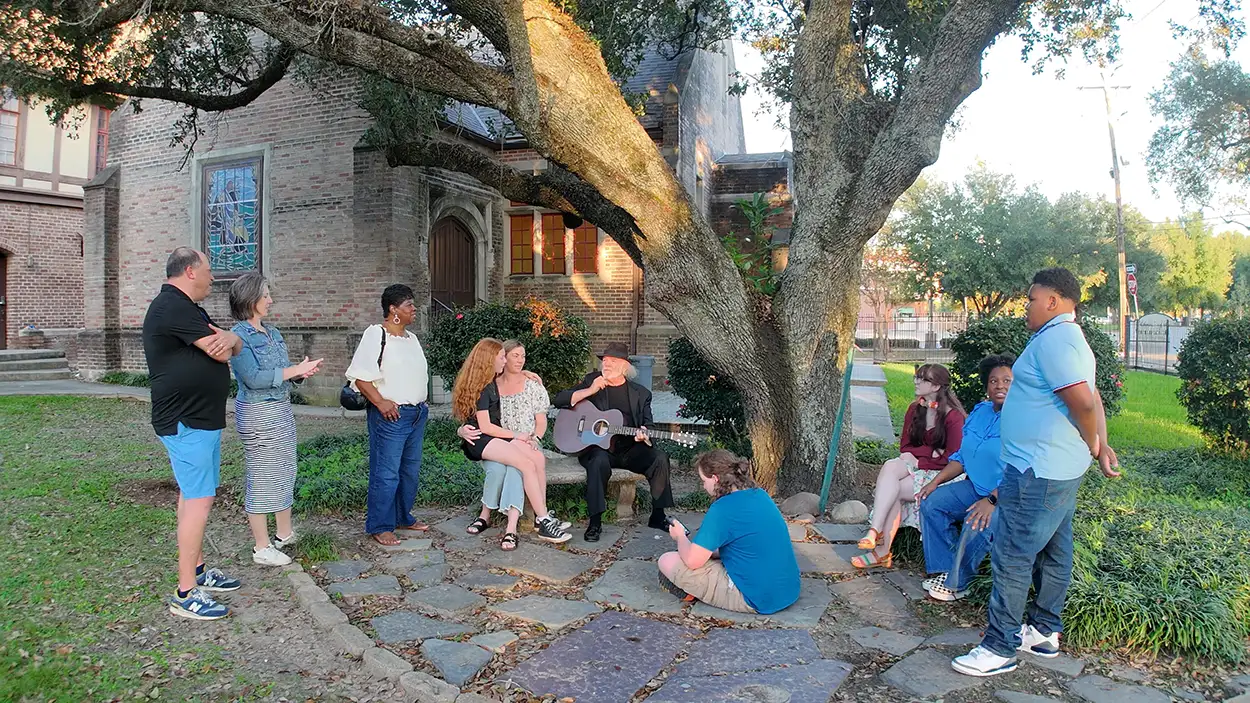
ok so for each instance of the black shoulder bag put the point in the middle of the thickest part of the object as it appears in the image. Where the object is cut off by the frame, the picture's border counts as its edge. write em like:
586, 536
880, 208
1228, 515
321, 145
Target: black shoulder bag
352, 399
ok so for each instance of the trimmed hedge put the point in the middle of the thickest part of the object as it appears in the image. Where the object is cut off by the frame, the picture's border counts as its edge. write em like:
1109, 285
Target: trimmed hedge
1009, 334
1214, 366
557, 345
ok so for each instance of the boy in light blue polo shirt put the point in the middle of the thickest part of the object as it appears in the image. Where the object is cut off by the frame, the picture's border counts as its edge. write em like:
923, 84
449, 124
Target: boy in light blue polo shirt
1053, 424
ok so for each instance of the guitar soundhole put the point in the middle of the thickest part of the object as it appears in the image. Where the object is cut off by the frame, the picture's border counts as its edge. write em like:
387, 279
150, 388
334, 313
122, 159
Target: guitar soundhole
600, 428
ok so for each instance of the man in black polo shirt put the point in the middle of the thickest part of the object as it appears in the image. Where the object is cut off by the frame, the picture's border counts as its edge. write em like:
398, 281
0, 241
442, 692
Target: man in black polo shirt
611, 388
187, 355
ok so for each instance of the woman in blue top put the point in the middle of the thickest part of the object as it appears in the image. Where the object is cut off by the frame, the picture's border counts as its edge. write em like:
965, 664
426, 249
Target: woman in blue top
756, 571
949, 501
263, 417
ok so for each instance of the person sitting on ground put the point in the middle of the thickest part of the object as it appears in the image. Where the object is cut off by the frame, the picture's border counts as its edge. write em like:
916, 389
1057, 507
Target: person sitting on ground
932, 430
475, 401
522, 403
610, 388
946, 503
756, 571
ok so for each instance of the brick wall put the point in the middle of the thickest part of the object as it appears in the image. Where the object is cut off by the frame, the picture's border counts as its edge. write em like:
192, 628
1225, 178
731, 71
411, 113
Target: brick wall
43, 244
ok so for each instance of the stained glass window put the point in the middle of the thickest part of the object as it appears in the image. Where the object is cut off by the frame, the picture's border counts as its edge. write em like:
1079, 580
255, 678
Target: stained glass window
232, 216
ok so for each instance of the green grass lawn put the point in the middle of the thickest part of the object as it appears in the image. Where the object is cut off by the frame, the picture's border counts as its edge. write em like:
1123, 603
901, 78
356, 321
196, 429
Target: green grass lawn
900, 391
84, 567
78, 567
1151, 418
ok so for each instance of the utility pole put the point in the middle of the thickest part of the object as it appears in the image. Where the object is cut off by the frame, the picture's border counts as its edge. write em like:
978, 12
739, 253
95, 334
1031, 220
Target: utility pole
1119, 210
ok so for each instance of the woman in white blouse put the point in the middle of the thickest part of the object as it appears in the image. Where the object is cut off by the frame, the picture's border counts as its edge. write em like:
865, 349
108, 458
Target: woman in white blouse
522, 403
396, 389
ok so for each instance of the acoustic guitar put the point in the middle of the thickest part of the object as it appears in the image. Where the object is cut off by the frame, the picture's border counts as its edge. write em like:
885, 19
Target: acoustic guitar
584, 425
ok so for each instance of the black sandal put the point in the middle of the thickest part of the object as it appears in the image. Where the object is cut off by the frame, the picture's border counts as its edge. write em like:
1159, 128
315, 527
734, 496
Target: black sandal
477, 527
509, 542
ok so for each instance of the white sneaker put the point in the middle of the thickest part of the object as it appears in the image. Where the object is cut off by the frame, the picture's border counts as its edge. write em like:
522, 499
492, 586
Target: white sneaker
270, 556
284, 543
982, 662
929, 583
941, 592
1034, 642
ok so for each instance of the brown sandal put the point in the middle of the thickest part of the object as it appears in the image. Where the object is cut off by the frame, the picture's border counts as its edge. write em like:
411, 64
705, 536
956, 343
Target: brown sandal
509, 542
386, 539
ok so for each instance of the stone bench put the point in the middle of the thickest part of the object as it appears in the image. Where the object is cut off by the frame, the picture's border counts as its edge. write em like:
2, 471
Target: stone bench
565, 470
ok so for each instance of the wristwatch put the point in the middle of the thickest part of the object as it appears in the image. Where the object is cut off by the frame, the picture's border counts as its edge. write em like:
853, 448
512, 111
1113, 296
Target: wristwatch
993, 499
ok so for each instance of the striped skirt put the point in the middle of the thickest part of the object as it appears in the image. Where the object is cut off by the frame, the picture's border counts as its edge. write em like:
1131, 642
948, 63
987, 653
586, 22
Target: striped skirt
267, 430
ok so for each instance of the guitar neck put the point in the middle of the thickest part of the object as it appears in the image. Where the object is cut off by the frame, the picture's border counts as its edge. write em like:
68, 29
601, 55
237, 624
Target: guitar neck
631, 431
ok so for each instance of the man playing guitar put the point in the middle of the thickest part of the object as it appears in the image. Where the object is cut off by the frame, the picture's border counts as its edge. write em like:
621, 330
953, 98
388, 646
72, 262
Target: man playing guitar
607, 389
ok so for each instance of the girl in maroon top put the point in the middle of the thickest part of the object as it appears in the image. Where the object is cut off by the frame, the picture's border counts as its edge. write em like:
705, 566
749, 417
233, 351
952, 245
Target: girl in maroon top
932, 431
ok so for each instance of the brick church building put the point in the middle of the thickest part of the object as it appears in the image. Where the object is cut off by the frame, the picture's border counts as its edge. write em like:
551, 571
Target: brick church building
286, 186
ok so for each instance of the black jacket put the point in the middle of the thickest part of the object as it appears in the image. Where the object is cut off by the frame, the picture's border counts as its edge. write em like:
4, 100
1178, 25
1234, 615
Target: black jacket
639, 399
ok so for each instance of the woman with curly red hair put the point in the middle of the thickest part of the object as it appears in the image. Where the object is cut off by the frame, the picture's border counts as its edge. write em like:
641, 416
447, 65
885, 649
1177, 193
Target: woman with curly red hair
475, 401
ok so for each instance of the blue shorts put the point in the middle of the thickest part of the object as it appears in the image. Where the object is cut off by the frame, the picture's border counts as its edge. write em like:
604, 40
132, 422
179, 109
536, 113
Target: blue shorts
195, 456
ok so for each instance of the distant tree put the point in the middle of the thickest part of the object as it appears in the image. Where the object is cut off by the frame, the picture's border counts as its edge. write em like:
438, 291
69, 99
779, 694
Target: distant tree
982, 240
1204, 141
1199, 266
887, 279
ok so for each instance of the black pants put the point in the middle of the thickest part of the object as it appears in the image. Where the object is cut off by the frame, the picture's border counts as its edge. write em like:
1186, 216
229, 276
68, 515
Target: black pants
638, 457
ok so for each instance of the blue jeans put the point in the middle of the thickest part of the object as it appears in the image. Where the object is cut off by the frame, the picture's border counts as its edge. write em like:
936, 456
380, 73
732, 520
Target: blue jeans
1032, 546
503, 488
394, 466
941, 514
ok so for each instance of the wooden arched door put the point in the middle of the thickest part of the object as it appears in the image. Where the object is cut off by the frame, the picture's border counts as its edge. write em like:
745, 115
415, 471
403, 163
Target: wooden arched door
453, 267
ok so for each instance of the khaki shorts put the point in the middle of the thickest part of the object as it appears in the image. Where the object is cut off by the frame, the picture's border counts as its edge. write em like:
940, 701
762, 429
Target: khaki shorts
711, 584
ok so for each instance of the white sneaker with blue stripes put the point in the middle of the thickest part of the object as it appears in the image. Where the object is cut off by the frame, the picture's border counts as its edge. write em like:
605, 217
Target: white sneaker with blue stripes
982, 662
1035, 643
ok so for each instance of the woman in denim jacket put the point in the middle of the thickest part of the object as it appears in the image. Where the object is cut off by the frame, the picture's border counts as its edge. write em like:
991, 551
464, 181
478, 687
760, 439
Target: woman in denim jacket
263, 417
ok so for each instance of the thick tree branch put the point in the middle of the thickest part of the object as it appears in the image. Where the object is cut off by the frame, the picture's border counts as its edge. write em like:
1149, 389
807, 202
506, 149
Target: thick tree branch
487, 16
256, 87
554, 188
346, 33
943, 80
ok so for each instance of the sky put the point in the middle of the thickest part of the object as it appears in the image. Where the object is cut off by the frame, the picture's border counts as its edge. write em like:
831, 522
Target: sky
1043, 129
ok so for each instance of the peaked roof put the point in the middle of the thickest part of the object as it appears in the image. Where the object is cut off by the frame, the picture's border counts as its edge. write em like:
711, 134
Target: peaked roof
653, 76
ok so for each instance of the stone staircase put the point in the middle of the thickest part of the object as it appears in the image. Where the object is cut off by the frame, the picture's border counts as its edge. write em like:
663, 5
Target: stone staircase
18, 365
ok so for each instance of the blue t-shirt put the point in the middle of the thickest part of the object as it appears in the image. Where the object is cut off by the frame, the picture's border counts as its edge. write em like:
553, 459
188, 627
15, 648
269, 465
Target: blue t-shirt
1038, 431
755, 548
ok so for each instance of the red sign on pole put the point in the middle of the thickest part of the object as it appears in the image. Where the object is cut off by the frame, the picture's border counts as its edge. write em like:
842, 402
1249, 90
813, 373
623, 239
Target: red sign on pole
1132, 284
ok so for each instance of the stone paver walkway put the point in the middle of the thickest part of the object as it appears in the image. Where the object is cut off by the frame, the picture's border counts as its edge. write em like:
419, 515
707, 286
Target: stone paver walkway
567, 622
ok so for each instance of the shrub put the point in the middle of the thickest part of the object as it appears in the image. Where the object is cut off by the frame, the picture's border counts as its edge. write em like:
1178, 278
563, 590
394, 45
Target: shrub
709, 396
334, 475
874, 451
557, 346
127, 378
440, 432
1009, 334
1214, 366
1159, 573
316, 546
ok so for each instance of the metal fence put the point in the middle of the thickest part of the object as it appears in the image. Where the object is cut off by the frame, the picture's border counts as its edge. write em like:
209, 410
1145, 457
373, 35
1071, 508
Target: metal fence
1154, 341
905, 338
